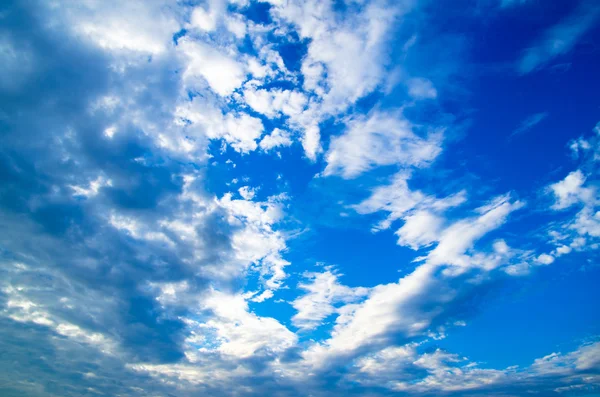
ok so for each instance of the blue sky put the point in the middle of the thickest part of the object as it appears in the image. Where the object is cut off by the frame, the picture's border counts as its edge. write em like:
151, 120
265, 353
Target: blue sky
299, 198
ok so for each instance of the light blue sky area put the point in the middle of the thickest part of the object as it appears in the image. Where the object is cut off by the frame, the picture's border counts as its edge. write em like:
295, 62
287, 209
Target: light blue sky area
299, 198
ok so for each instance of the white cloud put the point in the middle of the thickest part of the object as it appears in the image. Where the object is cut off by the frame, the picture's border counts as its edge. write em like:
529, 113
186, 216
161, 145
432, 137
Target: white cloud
139, 26
398, 309
242, 132
588, 147
351, 50
93, 188
459, 237
221, 71
21, 308
323, 292
16, 66
311, 141
346, 56
570, 191
545, 259
587, 222
247, 192
255, 241
275, 102
420, 229
389, 310
445, 373
208, 371
206, 19
406, 369
202, 120
241, 333
420, 88
420, 212
377, 140
579, 190
277, 138
266, 294
236, 25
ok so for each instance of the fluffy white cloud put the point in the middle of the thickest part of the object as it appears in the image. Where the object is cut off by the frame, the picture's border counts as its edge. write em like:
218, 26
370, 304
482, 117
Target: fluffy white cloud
274, 102
202, 120
545, 259
459, 237
206, 17
587, 147
578, 190
570, 190
346, 56
221, 71
242, 334
420, 229
420, 212
255, 241
323, 292
277, 138
247, 192
377, 140
139, 26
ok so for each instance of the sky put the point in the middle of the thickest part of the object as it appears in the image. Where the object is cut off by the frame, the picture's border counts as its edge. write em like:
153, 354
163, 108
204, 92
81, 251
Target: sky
299, 198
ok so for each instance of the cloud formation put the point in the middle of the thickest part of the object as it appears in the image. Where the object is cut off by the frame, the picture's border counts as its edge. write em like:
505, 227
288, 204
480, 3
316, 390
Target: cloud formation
158, 168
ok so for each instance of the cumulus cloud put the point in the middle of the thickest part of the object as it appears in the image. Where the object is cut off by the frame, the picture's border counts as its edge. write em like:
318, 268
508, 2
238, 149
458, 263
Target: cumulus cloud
422, 213
221, 71
277, 138
570, 191
577, 194
323, 292
274, 102
345, 58
242, 334
380, 139
201, 119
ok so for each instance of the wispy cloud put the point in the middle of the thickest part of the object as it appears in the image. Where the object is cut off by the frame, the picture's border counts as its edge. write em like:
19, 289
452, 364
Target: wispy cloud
561, 38
529, 123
